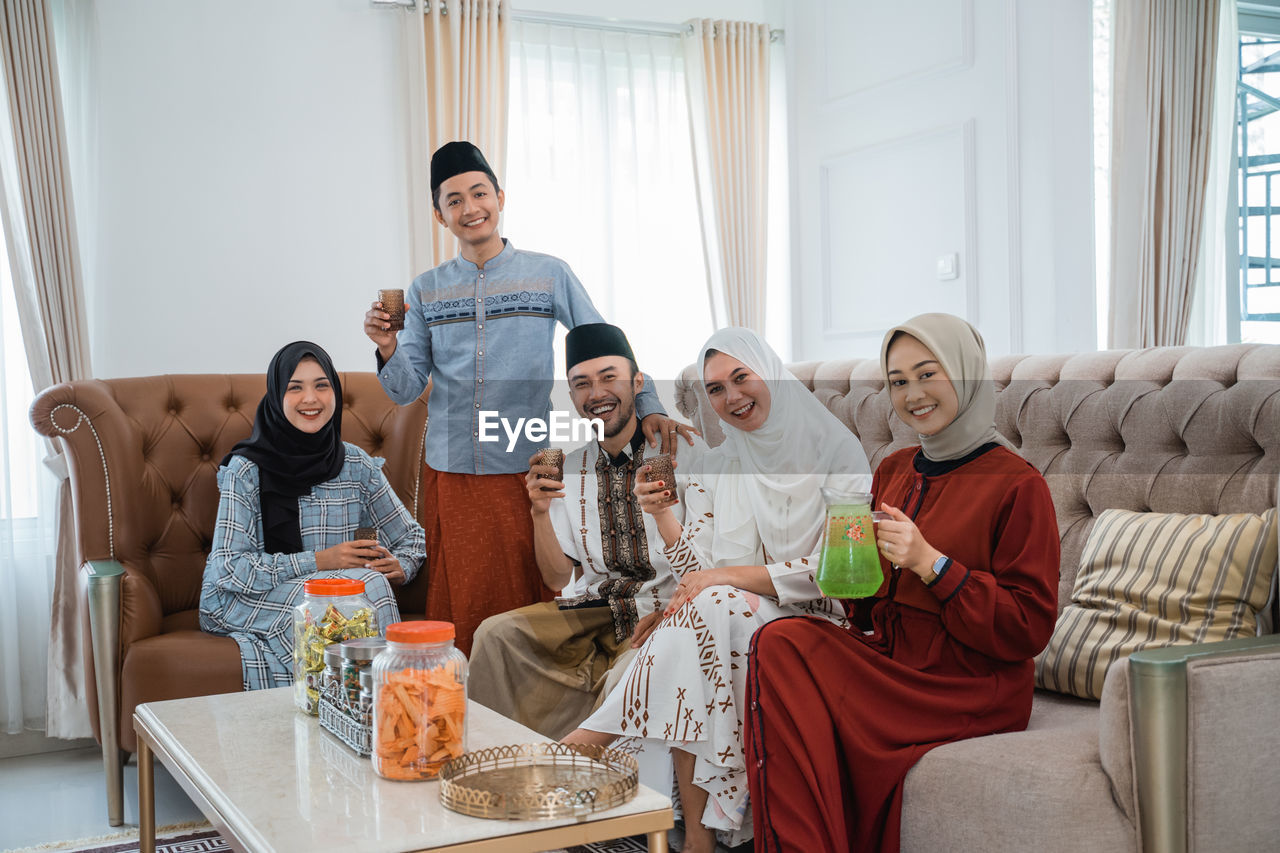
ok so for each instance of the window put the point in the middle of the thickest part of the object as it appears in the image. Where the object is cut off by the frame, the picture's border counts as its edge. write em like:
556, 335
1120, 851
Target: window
1258, 186
27, 533
20, 450
600, 173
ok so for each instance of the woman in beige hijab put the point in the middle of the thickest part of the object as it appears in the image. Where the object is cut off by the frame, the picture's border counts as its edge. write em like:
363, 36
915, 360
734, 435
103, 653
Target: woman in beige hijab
944, 650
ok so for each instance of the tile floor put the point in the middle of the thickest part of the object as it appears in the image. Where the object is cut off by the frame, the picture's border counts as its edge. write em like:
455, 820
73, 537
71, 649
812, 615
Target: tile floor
55, 796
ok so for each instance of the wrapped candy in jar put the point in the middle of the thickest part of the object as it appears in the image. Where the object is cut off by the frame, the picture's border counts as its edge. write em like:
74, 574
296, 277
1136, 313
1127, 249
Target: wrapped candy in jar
419, 701
332, 610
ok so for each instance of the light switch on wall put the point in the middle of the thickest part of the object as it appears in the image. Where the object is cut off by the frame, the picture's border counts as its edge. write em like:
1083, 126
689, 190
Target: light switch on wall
948, 266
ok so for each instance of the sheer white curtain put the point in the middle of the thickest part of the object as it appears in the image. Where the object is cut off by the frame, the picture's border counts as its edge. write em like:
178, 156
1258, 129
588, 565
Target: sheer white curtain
45, 293
28, 538
600, 173
1218, 271
28, 491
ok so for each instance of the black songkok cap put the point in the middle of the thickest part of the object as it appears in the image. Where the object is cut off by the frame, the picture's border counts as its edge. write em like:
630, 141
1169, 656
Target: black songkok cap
455, 158
593, 340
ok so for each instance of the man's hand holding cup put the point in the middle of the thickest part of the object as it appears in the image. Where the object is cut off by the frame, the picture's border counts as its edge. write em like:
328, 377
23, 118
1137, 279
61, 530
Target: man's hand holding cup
545, 479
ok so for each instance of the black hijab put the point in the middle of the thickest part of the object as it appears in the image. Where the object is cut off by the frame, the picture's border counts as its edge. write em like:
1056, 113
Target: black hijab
289, 460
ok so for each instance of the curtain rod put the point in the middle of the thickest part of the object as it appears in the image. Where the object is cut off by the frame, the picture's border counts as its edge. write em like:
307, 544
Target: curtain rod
652, 28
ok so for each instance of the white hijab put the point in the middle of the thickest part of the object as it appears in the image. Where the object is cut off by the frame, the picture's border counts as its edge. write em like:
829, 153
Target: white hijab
765, 483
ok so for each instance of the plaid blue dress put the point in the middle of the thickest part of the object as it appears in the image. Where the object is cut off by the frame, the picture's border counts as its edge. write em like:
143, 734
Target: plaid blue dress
250, 595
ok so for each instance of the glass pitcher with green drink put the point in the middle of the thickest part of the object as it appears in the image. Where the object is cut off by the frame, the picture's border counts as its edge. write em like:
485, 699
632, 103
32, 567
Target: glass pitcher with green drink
850, 565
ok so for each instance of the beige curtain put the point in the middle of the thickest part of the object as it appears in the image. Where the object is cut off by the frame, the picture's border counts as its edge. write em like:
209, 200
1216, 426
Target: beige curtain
727, 73
457, 54
39, 225
1162, 114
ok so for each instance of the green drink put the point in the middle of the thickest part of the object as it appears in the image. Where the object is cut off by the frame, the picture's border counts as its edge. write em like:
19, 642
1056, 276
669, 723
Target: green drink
850, 565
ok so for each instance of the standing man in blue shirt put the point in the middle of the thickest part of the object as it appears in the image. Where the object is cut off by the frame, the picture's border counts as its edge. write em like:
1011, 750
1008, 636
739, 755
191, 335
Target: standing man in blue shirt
481, 327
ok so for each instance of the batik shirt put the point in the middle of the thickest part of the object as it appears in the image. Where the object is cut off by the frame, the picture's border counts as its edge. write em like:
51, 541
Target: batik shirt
615, 544
484, 338
250, 595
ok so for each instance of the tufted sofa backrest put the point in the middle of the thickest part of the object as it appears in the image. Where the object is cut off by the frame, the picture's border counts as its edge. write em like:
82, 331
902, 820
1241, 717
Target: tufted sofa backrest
1165, 429
144, 454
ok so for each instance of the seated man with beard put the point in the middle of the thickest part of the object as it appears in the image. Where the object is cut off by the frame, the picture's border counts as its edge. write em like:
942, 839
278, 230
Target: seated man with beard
545, 665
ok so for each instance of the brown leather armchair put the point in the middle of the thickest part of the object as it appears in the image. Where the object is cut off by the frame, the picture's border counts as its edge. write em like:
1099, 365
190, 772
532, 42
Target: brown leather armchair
143, 455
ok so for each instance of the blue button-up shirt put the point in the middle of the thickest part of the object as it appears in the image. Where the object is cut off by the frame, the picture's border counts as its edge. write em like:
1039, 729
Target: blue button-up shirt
485, 338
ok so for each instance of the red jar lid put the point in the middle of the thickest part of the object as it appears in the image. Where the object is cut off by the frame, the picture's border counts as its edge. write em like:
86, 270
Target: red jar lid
420, 632
333, 586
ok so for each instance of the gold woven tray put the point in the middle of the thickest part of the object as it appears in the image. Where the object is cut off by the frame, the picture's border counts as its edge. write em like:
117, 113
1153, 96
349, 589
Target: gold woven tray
538, 781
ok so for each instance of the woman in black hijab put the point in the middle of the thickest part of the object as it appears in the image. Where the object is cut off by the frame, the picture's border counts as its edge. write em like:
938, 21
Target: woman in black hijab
293, 495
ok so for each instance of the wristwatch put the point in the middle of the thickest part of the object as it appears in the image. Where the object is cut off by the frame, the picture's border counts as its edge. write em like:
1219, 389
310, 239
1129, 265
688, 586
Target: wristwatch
939, 566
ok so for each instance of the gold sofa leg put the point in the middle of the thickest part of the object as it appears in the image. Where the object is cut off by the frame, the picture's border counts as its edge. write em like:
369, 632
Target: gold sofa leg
104, 630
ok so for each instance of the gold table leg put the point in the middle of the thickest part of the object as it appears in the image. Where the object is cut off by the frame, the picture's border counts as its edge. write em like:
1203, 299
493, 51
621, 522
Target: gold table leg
657, 842
146, 799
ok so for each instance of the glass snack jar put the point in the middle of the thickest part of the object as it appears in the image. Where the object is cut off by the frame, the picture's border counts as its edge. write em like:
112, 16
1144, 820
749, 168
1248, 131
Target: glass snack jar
357, 656
332, 672
332, 610
419, 701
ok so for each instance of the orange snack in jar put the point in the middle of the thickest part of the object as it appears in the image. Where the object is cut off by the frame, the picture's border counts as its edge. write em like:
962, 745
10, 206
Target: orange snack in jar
419, 708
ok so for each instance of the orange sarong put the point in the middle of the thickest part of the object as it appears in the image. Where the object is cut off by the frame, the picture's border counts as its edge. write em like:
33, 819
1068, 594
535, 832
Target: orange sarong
479, 549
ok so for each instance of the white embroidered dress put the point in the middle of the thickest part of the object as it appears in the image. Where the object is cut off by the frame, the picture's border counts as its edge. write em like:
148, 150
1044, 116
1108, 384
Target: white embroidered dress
755, 500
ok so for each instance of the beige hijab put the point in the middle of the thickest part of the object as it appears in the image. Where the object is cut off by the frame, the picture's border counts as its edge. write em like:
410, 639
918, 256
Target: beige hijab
959, 348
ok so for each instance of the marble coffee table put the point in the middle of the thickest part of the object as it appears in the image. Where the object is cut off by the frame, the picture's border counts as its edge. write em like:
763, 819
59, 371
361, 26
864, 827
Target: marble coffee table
270, 779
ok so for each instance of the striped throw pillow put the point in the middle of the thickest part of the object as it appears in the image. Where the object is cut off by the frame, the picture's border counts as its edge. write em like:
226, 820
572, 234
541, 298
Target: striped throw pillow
1153, 579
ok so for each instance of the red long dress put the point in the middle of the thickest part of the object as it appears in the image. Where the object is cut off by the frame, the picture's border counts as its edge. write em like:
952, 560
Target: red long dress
837, 717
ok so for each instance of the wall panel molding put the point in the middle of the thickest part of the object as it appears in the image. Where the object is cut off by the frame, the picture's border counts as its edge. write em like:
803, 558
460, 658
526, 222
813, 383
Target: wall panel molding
886, 250
838, 89
971, 274
1013, 158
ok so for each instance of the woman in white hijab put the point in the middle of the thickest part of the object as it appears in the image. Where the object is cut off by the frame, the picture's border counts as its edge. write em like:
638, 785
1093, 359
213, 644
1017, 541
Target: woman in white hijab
747, 555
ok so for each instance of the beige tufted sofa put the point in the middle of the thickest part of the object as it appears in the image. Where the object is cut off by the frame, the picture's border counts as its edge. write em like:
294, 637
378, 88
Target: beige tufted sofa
1181, 753
143, 455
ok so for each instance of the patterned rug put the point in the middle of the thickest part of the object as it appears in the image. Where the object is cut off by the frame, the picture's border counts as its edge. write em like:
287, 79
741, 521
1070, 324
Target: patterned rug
184, 838
634, 844
208, 841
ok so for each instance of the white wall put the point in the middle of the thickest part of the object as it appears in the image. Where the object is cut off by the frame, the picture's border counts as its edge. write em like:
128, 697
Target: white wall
252, 181
251, 171
251, 174
923, 129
